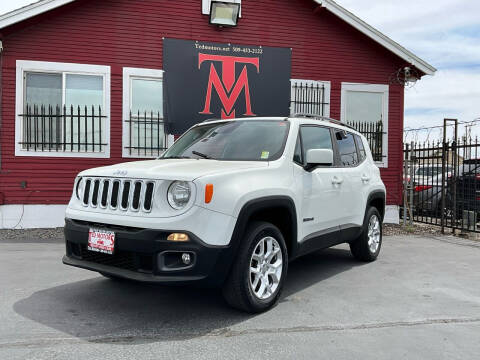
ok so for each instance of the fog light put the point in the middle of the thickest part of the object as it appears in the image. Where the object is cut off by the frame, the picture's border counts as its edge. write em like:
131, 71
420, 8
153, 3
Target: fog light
186, 258
178, 237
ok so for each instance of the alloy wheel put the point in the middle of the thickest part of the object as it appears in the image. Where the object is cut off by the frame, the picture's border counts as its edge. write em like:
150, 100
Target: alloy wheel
266, 267
374, 235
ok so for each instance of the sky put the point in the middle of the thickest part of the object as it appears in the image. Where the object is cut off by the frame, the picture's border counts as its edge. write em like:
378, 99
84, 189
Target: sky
445, 33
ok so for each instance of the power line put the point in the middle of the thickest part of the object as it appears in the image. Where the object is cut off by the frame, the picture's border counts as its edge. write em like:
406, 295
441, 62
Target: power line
440, 126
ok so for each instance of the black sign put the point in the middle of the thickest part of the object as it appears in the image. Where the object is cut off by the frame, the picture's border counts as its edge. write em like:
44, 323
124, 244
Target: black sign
211, 80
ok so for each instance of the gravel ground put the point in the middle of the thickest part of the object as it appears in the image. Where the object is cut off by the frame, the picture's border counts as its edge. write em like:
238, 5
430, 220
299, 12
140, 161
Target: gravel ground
49, 235
27, 235
415, 229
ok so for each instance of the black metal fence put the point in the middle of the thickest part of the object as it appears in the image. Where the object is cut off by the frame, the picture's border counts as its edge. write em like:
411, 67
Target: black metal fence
442, 184
308, 98
82, 129
373, 131
65, 129
146, 134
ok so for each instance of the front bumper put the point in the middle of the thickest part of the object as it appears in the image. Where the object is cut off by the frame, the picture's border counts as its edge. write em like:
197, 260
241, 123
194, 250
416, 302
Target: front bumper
146, 255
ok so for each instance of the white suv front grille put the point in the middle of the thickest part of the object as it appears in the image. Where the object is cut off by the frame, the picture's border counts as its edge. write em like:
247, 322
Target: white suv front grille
118, 194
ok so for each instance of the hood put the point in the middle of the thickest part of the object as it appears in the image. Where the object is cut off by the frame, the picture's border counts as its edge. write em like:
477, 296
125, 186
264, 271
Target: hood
171, 169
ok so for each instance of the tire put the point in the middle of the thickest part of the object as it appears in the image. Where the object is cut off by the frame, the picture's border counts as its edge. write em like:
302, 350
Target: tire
367, 246
243, 288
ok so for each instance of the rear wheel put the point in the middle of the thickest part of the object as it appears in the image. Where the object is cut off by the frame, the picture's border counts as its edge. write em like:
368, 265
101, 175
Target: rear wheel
257, 276
367, 246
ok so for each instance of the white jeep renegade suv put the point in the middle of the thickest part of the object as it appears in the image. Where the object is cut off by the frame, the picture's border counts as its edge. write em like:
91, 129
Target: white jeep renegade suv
230, 204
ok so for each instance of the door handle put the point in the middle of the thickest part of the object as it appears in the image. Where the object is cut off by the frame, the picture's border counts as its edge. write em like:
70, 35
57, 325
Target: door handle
365, 178
337, 181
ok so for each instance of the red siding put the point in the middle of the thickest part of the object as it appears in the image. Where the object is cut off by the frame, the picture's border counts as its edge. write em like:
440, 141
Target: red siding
123, 33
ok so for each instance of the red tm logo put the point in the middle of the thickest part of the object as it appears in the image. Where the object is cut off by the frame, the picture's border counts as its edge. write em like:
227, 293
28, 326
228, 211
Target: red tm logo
228, 89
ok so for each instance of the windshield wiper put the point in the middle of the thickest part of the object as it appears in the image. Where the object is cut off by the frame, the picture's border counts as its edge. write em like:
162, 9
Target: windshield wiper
200, 154
175, 157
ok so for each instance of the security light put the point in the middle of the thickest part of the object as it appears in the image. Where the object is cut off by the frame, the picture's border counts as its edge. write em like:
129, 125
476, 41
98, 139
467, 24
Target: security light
224, 13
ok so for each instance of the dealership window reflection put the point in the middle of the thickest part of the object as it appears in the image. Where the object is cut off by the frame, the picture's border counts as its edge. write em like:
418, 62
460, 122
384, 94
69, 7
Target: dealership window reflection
365, 106
85, 93
146, 123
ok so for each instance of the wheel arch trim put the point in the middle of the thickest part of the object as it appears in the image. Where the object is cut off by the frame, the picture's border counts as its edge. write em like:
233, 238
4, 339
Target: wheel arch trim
377, 195
263, 203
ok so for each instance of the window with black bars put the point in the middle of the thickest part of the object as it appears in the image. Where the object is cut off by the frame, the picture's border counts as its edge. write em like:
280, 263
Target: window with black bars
63, 129
373, 131
308, 98
146, 134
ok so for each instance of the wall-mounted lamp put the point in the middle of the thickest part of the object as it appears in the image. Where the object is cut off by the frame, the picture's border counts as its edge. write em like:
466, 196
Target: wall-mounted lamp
224, 13
410, 74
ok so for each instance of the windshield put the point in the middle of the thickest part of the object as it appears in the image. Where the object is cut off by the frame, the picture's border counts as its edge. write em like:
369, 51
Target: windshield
259, 140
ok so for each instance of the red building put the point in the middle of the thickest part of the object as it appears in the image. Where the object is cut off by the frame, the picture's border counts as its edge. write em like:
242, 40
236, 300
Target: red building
78, 77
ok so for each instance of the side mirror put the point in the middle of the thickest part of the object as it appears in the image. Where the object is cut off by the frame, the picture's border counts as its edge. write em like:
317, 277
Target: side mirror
317, 157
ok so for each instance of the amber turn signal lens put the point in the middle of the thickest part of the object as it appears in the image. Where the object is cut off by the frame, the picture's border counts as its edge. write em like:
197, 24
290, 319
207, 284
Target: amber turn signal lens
208, 193
178, 237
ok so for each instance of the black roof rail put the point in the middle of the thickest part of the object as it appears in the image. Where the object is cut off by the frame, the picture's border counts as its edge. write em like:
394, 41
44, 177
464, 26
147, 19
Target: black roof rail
325, 118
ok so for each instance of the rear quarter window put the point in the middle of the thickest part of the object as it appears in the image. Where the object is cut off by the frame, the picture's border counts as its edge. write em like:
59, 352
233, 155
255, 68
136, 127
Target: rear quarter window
346, 148
361, 149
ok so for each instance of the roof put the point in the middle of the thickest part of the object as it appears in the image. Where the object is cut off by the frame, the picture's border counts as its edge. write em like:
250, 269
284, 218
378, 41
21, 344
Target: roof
42, 6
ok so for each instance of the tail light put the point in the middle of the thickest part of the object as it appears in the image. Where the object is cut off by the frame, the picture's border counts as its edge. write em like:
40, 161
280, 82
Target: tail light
422, 187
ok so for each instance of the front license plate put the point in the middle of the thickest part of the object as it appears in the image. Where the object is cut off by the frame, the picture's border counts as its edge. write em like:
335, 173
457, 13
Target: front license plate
102, 241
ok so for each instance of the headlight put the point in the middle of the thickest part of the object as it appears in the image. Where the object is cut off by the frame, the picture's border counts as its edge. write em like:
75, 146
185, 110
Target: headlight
178, 194
79, 188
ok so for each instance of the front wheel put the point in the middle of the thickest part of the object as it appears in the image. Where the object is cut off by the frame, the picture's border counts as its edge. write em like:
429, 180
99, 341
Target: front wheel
367, 246
257, 276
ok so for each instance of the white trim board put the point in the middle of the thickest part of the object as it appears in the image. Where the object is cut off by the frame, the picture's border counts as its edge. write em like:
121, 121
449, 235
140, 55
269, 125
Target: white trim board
32, 216
52, 216
29, 11
23, 66
42, 6
392, 214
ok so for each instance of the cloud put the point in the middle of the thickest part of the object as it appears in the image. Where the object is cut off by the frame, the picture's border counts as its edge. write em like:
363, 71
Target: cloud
449, 94
445, 33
